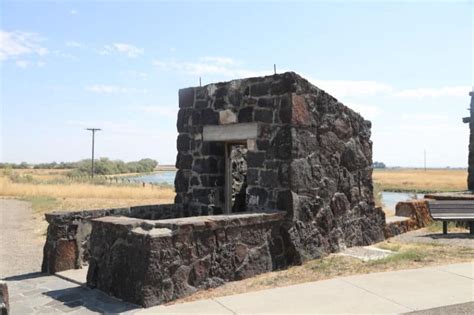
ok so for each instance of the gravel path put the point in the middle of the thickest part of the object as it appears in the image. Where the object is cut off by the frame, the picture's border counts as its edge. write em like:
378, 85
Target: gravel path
463, 239
21, 249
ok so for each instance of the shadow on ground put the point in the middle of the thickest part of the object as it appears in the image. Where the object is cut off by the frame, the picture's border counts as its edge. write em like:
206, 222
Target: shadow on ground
449, 236
42, 293
459, 309
93, 300
26, 276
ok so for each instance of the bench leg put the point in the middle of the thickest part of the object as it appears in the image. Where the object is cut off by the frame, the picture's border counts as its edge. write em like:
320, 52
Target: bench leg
445, 227
471, 228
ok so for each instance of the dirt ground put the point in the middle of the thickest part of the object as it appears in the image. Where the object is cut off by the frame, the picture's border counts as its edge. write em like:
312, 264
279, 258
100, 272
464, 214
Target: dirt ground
21, 247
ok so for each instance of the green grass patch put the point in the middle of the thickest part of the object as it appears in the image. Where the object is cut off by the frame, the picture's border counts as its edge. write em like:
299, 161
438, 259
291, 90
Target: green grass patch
323, 265
333, 265
437, 226
42, 203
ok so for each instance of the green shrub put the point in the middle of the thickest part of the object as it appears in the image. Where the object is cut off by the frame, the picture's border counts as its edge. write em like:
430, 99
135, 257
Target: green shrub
105, 166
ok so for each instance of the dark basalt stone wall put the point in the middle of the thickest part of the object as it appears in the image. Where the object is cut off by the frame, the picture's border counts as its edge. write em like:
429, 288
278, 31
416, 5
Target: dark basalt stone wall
67, 243
153, 262
417, 216
312, 158
470, 179
267, 101
4, 299
308, 177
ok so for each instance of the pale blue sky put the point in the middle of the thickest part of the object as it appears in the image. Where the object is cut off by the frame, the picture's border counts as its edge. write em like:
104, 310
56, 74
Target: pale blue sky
117, 65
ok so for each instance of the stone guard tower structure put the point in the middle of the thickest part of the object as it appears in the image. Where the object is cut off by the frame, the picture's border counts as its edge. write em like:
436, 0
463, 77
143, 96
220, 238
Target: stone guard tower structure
301, 151
272, 171
470, 120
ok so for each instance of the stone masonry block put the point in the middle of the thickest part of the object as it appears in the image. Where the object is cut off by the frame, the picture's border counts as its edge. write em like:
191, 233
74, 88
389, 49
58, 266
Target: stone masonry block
186, 98
227, 117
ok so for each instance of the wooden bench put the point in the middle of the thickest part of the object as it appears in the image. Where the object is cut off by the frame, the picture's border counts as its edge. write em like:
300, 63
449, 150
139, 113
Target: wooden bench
452, 210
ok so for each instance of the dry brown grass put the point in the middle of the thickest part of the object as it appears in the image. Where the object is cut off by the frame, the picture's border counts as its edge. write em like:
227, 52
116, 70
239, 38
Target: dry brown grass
42, 174
431, 180
407, 256
82, 190
74, 196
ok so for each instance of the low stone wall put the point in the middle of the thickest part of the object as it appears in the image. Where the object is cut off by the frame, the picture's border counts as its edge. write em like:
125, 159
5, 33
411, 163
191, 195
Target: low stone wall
4, 300
152, 262
417, 213
67, 240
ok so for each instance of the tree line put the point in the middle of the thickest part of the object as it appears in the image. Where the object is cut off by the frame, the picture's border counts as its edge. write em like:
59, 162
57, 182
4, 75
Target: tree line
102, 166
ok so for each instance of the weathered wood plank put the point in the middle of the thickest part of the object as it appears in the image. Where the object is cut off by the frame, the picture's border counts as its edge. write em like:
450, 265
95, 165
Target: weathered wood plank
452, 202
460, 215
452, 210
454, 219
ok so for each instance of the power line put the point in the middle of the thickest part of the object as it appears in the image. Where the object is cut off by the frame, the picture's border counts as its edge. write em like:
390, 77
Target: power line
93, 140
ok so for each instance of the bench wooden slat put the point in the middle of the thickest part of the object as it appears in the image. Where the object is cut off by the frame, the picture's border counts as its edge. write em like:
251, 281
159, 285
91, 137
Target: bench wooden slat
450, 210
453, 210
435, 205
469, 214
466, 215
452, 206
452, 201
449, 202
452, 215
453, 219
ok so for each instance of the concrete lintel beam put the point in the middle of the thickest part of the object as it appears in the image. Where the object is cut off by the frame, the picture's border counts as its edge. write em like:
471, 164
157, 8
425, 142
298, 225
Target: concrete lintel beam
232, 132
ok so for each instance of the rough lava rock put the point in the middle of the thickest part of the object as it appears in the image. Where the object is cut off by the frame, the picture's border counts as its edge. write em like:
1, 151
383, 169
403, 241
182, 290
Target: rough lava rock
311, 162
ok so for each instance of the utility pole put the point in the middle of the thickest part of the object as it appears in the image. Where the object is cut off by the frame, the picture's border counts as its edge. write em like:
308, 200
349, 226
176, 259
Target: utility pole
425, 159
93, 139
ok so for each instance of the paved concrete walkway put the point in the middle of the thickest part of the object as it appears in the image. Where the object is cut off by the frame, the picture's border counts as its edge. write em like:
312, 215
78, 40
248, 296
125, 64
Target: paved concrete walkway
388, 292
38, 293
